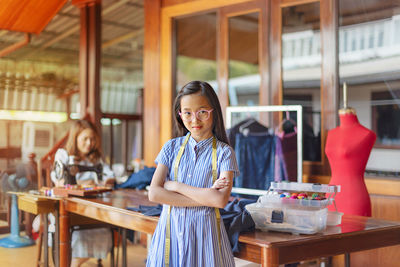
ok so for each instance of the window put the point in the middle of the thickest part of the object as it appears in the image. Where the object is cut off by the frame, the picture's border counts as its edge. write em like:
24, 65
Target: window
386, 118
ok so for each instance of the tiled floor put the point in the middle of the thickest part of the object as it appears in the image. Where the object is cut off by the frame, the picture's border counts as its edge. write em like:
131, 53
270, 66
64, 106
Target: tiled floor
26, 257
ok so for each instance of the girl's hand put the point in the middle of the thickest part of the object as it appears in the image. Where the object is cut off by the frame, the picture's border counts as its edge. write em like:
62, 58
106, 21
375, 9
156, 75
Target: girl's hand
171, 185
221, 183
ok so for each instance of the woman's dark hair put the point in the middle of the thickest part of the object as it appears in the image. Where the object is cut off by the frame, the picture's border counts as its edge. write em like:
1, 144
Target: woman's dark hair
72, 146
195, 87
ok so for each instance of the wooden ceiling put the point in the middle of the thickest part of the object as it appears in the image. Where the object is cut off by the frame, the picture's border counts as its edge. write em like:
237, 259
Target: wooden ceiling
58, 42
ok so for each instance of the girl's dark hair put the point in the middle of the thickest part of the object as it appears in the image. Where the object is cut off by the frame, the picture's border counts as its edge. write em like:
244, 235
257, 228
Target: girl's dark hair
72, 146
206, 90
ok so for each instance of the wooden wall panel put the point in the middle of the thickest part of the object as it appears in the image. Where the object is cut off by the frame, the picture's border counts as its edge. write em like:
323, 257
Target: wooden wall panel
151, 71
388, 208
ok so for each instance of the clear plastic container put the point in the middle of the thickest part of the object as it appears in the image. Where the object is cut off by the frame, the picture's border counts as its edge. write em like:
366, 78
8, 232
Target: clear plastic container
302, 216
286, 219
334, 218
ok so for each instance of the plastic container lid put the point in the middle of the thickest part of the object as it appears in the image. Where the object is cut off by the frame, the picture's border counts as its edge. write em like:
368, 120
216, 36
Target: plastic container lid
307, 187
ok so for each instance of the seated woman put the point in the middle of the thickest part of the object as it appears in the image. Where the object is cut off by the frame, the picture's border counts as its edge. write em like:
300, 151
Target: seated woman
83, 146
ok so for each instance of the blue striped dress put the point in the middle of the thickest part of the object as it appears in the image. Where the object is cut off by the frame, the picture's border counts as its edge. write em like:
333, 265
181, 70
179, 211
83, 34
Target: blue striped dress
194, 236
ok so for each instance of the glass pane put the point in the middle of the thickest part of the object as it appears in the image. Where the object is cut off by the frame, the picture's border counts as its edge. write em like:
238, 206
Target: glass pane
134, 140
369, 62
301, 71
196, 49
244, 77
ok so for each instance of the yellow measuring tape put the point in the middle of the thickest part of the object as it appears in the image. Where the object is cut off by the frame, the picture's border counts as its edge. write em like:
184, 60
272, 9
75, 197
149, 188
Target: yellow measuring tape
217, 214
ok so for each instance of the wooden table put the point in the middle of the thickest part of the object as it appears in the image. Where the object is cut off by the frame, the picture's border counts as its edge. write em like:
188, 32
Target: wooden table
42, 205
268, 248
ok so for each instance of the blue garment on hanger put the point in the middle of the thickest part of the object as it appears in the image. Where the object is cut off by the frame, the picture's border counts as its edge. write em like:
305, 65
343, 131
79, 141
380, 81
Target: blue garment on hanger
260, 159
256, 160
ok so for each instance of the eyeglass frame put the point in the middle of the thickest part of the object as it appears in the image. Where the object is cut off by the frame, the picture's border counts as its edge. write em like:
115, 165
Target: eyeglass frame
195, 114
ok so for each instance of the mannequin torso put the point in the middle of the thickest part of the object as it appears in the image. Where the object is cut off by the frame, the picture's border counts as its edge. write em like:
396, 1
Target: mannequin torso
348, 148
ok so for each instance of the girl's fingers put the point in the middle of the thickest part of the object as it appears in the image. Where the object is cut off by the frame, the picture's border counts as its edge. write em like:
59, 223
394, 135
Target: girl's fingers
221, 183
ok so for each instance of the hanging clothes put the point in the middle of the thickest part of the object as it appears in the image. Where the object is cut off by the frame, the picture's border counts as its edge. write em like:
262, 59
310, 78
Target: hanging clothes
289, 151
260, 160
251, 124
288, 137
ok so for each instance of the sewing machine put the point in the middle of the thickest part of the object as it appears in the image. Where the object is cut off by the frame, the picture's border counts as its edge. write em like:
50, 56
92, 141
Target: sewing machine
68, 171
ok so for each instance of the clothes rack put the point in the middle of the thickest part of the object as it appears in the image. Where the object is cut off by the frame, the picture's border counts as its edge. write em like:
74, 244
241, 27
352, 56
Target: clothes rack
276, 108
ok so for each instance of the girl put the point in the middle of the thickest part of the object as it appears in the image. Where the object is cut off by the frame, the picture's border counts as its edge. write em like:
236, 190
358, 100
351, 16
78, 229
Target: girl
84, 146
190, 231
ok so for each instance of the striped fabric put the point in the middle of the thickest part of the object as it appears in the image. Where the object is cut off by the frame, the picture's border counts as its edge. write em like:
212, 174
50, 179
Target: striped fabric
194, 239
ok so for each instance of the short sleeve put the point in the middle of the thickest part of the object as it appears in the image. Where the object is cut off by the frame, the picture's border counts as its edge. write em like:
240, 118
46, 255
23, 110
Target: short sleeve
107, 171
228, 161
164, 157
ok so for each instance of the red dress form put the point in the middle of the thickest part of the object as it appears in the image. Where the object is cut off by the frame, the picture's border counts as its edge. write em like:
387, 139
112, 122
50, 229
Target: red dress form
348, 147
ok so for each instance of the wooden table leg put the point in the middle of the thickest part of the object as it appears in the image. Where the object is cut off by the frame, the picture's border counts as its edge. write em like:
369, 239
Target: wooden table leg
56, 243
124, 257
45, 240
347, 259
40, 241
269, 257
64, 236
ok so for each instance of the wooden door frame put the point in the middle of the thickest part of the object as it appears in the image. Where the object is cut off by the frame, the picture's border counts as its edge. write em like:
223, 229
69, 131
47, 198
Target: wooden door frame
262, 8
329, 69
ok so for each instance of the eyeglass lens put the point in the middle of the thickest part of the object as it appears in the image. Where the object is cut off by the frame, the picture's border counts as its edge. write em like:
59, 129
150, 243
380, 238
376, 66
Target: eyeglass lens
201, 115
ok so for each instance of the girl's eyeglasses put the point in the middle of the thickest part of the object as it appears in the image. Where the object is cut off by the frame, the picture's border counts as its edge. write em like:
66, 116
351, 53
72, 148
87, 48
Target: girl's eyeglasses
201, 115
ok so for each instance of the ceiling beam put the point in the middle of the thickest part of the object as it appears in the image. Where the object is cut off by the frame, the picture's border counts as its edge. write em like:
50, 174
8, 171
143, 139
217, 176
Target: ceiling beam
122, 38
103, 21
76, 28
16, 46
3, 32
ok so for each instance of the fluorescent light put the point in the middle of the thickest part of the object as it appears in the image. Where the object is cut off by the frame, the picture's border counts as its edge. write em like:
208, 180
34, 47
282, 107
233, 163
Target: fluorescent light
74, 116
107, 121
43, 116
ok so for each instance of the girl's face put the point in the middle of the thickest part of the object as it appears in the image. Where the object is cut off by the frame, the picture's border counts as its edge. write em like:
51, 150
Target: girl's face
191, 104
86, 141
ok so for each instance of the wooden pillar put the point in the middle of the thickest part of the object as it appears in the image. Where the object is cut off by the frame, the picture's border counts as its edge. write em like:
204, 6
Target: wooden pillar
64, 235
330, 72
125, 142
151, 73
89, 59
275, 52
223, 60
